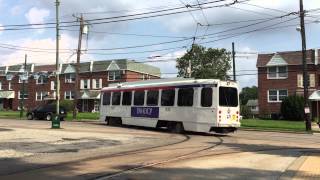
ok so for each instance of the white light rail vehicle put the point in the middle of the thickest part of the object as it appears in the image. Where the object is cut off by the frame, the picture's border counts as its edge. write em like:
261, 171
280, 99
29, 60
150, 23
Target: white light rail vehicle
198, 105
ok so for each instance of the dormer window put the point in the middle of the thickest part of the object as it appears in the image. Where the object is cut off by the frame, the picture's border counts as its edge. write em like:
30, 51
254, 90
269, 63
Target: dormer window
70, 78
42, 80
114, 75
278, 72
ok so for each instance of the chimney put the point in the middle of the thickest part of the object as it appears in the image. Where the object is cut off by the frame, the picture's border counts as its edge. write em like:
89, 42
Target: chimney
91, 65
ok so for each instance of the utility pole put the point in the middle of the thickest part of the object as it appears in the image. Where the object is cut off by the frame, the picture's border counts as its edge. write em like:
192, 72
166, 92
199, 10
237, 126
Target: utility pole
190, 65
234, 62
56, 120
75, 101
305, 73
23, 86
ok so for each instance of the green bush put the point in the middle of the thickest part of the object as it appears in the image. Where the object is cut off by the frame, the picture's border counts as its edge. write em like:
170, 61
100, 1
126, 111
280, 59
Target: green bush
292, 108
245, 112
67, 104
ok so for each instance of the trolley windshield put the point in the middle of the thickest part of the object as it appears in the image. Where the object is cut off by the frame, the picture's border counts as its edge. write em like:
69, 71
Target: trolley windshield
228, 96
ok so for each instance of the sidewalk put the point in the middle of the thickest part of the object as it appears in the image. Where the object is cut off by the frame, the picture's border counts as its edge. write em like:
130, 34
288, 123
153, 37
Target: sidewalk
315, 127
310, 169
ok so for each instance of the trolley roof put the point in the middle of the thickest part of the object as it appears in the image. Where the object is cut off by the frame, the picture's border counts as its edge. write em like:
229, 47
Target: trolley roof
172, 82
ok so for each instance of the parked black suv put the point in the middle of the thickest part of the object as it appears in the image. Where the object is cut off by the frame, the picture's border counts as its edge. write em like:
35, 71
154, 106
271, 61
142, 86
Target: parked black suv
46, 112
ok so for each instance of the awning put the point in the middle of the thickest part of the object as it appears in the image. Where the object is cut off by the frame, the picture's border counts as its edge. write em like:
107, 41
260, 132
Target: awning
315, 96
6, 94
90, 95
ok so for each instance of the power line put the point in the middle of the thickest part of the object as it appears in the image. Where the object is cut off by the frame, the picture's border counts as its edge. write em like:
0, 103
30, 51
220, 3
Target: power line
130, 34
253, 24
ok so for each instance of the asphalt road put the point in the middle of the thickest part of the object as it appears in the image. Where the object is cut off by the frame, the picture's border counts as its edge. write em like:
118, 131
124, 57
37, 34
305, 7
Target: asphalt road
31, 150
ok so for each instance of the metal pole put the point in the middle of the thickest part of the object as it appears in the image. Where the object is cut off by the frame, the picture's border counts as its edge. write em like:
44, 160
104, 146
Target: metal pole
56, 122
234, 62
75, 102
305, 73
23, 87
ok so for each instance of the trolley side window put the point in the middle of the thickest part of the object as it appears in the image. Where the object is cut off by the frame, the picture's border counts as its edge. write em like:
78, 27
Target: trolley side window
126, 98
106, 98
138, 98
116, 96
152, 98
167, 97
206, 97
228, 96
185, 97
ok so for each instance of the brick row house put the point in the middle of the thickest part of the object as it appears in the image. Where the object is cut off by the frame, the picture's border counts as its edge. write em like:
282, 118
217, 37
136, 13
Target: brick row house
40, 82
281, 74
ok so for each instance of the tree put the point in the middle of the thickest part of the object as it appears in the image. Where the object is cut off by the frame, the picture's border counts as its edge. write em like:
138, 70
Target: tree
248, 93
205, 63
292, 108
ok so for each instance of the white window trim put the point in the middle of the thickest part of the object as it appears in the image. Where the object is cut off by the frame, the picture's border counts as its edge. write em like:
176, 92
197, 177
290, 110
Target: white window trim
41, 78
41, 95
68, 80
0, 85
277, 73
9, 86
19, 95
278, 96
114, 75
52, 86
65, 95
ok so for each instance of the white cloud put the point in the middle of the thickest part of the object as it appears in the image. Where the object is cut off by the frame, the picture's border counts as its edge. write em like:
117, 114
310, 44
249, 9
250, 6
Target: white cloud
37, 16
47, 57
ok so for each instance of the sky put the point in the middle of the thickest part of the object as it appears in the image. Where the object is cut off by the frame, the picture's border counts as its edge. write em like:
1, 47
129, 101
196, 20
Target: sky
255, 26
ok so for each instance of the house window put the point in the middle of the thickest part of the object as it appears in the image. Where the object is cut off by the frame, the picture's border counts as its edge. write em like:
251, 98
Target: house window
114, 75
10, 86
96, 83
53, 85
70, 78
69, 95
24, 95
85, 83
41, 95
42, 80
277, 95
20, 81
278, 72
312, 80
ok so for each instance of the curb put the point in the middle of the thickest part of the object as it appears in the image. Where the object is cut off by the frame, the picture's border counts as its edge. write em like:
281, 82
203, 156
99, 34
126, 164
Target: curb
292, 170
279, 131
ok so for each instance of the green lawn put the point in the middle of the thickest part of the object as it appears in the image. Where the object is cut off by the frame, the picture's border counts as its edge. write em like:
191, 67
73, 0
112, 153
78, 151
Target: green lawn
273, 124
81, 116
84, 116
9, 114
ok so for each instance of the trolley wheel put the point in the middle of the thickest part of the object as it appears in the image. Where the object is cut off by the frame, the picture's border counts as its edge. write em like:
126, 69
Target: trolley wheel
176, 127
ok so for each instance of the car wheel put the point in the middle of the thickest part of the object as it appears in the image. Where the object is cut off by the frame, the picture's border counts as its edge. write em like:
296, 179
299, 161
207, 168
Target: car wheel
49, 117
61, 119
30, 116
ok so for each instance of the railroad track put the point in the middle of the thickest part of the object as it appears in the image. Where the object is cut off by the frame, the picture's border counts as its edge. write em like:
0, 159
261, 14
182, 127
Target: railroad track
174, 159
126, 153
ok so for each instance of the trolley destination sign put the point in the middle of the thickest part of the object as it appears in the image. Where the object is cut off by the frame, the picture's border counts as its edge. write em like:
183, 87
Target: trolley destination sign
150, 112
